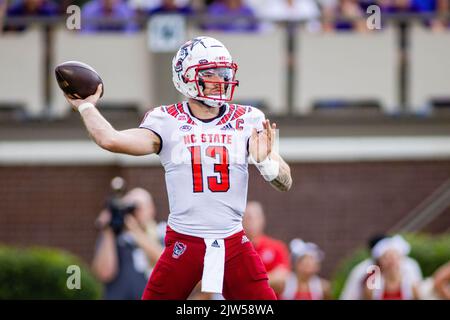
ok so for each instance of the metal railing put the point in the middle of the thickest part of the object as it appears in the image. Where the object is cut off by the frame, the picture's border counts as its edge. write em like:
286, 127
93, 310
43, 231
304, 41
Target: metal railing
427, 211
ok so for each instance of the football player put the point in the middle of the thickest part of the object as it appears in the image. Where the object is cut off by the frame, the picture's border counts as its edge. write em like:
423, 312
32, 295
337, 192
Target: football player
205, 144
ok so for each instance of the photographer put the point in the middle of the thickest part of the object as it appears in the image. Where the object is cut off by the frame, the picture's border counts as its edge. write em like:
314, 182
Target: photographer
128, 244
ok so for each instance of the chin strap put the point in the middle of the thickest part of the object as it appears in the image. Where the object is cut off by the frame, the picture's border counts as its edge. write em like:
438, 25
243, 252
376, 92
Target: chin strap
215, 104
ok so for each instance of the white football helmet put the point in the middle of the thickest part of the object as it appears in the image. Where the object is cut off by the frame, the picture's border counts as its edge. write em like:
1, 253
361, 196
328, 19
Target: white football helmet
205, 60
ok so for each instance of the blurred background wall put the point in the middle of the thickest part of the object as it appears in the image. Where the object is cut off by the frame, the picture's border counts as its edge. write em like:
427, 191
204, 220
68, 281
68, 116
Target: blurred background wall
363, 115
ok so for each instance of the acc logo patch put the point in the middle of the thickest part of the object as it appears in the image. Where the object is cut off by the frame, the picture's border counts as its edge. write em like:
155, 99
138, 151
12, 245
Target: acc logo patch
182, 117
178, 249
185, 128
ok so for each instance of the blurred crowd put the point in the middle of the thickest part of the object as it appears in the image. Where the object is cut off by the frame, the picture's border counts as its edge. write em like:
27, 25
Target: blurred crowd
129, 245
389, 273
232, 15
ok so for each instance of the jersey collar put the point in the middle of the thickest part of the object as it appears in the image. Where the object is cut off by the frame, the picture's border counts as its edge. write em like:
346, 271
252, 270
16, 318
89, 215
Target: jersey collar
213, 121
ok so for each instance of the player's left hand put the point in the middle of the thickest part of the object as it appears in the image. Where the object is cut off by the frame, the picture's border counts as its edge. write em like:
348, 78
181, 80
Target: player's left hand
260, 145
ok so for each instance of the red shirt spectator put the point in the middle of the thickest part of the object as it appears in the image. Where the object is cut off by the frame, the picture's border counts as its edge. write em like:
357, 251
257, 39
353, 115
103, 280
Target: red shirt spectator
274, 253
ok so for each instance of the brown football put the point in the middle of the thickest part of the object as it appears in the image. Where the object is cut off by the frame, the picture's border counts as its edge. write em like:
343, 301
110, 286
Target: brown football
78, 80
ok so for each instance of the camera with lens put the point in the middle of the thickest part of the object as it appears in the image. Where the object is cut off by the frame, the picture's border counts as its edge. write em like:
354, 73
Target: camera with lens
117, 206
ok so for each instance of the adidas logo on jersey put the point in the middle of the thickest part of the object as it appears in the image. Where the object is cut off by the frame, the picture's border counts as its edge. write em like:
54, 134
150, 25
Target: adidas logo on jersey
244, 239
215, 244
227, 127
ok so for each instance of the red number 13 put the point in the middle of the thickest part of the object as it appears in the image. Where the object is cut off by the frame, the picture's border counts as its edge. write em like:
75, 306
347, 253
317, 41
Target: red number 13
222, 167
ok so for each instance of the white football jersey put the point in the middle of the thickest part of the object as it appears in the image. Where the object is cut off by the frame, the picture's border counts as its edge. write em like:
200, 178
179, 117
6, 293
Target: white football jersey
205, 163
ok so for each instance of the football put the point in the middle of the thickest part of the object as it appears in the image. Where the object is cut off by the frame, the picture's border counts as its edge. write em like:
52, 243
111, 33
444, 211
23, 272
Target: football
78, 80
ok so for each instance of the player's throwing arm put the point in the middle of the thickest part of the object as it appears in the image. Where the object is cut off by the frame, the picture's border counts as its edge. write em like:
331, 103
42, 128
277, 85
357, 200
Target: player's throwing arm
83, 88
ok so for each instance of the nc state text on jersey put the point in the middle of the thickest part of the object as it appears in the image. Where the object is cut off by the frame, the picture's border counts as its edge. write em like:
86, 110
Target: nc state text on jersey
221, 138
